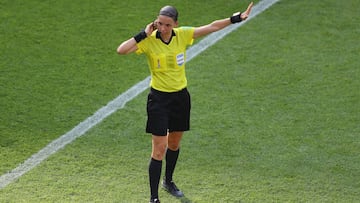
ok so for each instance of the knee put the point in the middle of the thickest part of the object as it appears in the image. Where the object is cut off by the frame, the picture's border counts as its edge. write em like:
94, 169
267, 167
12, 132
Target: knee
158, 151
174, 146
174, 140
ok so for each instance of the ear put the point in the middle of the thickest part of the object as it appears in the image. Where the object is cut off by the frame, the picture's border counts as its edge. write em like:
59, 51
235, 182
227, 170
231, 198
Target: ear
176, 24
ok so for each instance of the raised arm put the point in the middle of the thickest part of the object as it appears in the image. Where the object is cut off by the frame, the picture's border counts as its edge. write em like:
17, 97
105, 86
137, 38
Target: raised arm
130, 45
220, 24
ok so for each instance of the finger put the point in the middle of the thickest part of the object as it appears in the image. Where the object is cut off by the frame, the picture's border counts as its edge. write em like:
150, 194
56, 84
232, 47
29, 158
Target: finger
248, 10
154, 25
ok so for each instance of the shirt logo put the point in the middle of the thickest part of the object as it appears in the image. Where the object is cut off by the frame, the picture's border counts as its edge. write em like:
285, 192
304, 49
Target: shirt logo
180, 59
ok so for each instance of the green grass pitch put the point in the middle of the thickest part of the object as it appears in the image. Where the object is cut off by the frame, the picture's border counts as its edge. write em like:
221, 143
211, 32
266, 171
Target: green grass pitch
275, 104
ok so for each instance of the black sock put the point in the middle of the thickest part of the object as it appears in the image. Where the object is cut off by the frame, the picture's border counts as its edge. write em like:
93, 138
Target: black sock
171, 159
154, 177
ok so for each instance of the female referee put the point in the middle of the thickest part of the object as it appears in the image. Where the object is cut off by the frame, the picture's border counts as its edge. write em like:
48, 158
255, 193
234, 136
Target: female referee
168, 104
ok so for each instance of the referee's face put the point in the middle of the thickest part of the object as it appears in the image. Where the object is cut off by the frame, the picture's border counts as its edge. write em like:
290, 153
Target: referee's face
165, 25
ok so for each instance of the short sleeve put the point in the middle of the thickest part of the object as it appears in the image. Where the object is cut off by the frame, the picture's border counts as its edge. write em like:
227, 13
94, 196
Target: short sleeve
188, 34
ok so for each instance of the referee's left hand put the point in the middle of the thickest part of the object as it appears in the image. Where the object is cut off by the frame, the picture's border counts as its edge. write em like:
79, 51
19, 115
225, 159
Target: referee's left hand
245, 14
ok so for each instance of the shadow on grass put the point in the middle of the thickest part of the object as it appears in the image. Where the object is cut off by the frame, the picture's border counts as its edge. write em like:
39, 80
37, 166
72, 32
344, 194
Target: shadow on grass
185, 200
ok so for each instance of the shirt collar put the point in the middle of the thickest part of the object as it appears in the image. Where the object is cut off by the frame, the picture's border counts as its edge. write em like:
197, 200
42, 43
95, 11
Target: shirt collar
159, 37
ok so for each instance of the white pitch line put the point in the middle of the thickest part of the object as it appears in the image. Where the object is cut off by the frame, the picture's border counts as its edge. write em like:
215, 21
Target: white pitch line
118, 103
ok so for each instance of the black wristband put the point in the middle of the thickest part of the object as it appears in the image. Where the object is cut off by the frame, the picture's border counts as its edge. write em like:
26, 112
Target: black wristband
235, 18
140, 36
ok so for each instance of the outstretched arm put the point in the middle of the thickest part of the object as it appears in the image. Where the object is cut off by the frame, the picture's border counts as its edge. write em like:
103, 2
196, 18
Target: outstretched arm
220, 24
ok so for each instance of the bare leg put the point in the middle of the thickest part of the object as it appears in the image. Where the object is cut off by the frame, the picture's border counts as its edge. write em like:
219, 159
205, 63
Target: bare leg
174, 139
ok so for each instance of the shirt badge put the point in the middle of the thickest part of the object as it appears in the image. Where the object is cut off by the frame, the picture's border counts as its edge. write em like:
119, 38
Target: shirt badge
180, 59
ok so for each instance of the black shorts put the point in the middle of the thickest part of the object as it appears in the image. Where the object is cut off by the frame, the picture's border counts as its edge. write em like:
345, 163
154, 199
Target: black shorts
168, 112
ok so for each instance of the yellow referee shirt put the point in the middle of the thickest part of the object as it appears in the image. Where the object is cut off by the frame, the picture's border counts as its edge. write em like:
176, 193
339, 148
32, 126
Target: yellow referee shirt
167, 61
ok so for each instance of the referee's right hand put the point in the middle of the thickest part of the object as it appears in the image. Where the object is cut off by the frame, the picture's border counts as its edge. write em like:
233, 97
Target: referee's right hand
150, 28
